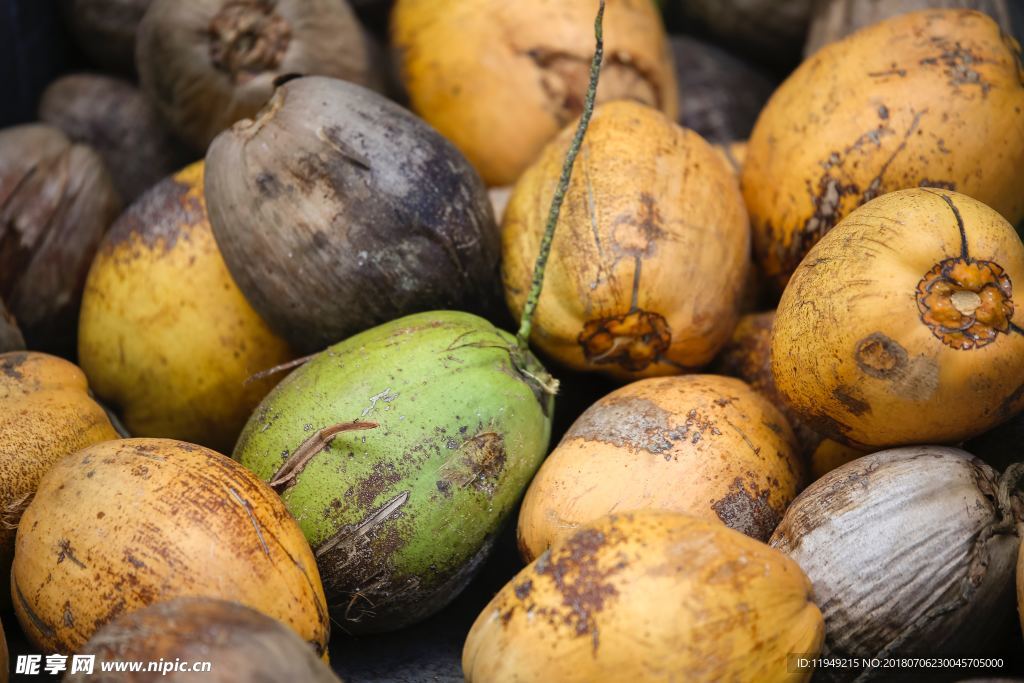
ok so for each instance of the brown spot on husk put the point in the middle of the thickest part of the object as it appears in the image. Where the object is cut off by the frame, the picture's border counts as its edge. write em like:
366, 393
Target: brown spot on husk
880, 356
479, 462
854, 404
632, 341
159, 218
748, 510
584, 585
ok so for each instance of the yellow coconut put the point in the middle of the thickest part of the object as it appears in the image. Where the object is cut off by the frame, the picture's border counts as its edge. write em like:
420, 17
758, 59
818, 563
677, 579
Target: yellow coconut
902, 325
705, 445
651, 251
931, 98
748, 356
648, 596
165, 335
46, 412
500, 79
126, 524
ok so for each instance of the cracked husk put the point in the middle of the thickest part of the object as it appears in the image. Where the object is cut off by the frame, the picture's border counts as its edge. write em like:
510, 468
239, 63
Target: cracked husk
649, 260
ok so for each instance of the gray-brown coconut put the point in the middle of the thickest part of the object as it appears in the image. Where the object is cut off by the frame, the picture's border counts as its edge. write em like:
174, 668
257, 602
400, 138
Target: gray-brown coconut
720, 95
832, 20
241, 645
117, 120
56, 201
337, 210
911, 552
105, 30
772, 30
209, 63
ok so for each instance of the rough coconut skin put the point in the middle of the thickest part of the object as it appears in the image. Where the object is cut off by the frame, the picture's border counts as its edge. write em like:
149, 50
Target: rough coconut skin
651, 211
46, 412
703, 445
931, 518
336, 210
648, 596
241, 644
926, 99
903, 324
189, 376
501, 79
401, 514
128, 523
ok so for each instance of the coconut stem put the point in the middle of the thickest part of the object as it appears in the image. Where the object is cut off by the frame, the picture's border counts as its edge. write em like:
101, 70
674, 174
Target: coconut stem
523, 336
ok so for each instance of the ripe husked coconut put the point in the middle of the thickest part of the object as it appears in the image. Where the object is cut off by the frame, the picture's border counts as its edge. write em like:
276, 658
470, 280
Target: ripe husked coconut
704, 445
648, 596
114, 118
911, 552
903, 325
337, 210
56, 201
208, 63
720, 95
240, 644
651, 209
833, 20
500, 79
125, 524
165, 335
926, 99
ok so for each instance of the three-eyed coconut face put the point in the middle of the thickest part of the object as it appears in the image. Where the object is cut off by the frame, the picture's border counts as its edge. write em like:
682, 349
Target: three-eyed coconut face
903, 325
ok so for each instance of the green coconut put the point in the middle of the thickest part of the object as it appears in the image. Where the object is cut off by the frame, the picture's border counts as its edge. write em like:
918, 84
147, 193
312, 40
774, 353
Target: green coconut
401, 451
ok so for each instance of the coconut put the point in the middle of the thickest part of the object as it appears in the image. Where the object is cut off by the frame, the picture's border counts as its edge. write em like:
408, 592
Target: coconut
926, 99
720, 95
46, 412
911, 552
748, 356
900, 327
648, 196
240, 644
336, 210
401, 451
208, 63
704, 445
165, 335
105, 30
649, 595
125, 524
833, 20
501, 79
56, 201
114, 118
11, 338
